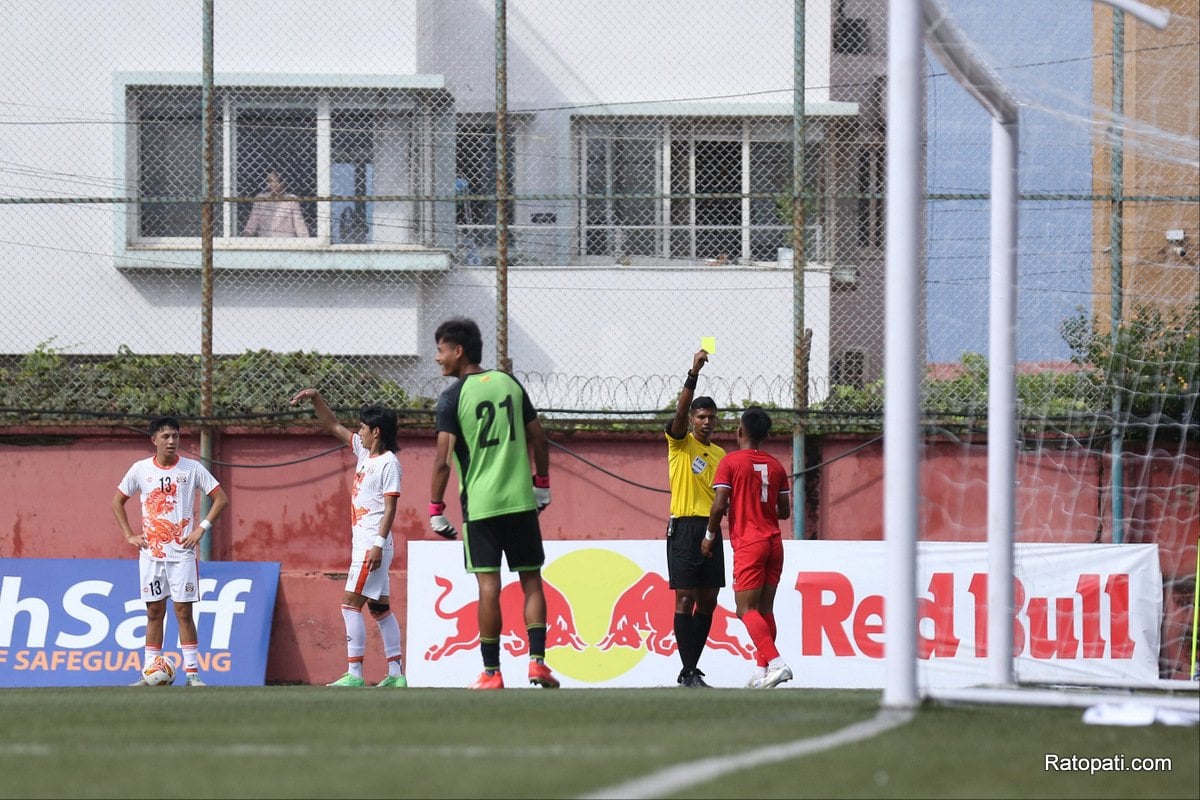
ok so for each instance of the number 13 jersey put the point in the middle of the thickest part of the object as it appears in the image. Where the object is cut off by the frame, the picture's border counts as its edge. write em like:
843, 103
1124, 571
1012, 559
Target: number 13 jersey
168, 503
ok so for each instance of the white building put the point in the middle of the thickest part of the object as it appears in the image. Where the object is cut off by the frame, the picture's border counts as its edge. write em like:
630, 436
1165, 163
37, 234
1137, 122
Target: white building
619, 113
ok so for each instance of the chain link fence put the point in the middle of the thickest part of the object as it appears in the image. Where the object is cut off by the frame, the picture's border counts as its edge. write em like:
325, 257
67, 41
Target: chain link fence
602, 186
642, 183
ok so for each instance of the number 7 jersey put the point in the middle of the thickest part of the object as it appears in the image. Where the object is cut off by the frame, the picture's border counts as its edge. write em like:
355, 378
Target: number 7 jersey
168, 503
755, 479
487, 412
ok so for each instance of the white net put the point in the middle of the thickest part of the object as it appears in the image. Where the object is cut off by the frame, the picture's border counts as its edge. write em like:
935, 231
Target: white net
1108, 320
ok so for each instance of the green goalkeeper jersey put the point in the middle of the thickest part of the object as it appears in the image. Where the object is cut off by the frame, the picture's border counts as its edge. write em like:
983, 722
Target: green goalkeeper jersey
487, 412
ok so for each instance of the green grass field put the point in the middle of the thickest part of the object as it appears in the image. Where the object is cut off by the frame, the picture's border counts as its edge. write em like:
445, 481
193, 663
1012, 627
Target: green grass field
299, 741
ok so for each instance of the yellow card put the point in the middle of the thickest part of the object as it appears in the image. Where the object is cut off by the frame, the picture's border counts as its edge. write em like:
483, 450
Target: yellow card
708, 344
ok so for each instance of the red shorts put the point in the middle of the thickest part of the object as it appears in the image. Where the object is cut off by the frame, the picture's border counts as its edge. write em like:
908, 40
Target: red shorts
758, 564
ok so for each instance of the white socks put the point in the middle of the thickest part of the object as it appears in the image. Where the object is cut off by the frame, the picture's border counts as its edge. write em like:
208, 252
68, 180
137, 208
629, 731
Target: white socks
356, 639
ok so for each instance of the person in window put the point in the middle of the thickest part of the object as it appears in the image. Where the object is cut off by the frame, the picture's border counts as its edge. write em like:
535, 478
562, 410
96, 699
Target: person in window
275, 213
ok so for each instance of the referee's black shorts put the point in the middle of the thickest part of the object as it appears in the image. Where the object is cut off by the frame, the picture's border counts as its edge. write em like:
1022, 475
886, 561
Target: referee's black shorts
687, 568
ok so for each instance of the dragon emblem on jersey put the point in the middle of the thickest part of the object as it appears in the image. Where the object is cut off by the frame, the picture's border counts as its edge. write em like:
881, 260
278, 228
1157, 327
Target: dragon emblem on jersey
157, 528
357, 512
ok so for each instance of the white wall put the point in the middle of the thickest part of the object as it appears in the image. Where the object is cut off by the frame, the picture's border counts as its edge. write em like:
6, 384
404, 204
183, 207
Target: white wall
625, 50
59, 59
616, 334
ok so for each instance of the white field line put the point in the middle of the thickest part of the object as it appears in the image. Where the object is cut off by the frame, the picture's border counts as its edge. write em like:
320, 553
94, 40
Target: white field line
681, 776
260, 750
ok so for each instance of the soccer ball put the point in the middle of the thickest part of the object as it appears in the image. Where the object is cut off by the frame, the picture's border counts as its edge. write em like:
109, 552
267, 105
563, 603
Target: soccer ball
159, 673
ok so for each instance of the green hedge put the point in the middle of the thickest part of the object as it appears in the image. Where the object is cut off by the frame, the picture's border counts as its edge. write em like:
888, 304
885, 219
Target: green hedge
255, 385
1150, 371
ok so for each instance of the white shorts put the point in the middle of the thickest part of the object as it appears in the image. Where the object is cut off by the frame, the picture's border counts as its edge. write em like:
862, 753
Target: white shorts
374, 583
179, 580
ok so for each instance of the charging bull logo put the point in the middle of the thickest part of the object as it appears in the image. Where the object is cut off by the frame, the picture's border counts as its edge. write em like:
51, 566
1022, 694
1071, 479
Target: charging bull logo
617, 614
644, 614
560, 622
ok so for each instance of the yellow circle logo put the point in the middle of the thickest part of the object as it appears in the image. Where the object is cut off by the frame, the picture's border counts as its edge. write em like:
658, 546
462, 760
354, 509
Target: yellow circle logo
613, 607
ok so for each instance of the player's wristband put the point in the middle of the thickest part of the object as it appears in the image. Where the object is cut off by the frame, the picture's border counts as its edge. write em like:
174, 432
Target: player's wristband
690, 383
709, 536
380, 542
205, 525
541, 481
436, 508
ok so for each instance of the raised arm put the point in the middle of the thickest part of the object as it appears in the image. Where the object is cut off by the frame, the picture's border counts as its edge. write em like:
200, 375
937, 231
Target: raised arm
679, 423
325, 414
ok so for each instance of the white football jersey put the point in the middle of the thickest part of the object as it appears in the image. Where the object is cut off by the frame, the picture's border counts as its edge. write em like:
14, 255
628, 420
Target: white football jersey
374, 477
168, 503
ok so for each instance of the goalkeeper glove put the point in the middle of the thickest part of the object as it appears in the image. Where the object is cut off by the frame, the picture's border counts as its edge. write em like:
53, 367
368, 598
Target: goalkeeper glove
541, 491
437, 520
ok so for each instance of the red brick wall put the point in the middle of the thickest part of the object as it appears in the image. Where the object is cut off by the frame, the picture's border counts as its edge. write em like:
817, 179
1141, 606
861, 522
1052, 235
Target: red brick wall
56, 487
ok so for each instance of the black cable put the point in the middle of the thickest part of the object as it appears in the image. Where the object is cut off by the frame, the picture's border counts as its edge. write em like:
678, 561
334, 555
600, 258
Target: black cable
270, 466
851, 451
596, 466
198, 457
795, 475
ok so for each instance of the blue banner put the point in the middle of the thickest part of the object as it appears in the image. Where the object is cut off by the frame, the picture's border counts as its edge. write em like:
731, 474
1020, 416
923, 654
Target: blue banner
83, 623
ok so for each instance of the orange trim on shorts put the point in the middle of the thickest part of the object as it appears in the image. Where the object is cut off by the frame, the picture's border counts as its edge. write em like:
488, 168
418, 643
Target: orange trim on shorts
361, 581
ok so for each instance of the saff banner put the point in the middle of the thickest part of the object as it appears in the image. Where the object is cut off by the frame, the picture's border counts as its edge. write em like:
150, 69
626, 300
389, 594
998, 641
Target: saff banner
83, 622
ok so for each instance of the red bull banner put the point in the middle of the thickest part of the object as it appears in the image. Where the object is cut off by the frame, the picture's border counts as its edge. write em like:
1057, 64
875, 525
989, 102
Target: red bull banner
1082, 612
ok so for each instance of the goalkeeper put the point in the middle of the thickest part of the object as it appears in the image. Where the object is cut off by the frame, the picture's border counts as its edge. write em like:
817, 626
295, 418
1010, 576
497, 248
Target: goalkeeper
486, 420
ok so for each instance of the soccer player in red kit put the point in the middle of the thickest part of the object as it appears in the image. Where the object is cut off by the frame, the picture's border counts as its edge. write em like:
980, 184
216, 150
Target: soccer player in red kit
752, 487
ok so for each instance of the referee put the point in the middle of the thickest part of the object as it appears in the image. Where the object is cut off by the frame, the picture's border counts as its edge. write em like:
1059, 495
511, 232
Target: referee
691, 462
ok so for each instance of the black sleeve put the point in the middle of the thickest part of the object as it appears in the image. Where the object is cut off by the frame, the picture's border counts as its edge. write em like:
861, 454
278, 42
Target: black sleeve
447, 410
528, 412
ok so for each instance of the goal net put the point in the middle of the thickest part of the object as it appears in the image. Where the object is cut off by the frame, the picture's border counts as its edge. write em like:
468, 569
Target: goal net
1104, 445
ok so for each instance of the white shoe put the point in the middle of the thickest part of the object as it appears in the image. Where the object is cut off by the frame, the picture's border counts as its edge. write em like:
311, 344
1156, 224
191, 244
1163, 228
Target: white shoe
194, 680
774, 677
758, 674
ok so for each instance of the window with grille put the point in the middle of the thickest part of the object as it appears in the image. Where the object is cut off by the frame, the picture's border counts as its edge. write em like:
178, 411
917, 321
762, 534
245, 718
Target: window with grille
475, 176
693, 189
872, 169
284, 147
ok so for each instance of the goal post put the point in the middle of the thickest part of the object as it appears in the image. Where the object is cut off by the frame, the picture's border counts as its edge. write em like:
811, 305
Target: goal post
909, 22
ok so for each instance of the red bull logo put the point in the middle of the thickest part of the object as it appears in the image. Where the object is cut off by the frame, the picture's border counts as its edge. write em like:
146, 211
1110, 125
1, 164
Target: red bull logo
514, 638
617, 615
644, 616
611, 615
853, 625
